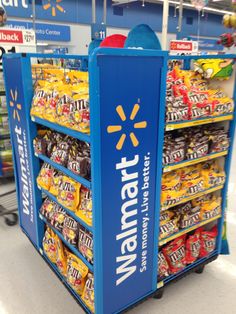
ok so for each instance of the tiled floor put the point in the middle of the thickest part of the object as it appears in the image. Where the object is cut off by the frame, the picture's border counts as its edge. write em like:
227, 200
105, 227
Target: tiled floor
28, 286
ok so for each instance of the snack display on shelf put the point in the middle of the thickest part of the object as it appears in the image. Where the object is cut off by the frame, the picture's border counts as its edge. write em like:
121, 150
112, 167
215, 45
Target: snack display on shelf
186, 249
71, 230
64, 150
190, 181
189, 96
194, 143
68, 192
188, 214
63, 98
70, 266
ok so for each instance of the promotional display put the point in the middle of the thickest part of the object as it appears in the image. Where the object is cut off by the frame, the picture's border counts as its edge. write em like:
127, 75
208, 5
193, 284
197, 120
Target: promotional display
122, 175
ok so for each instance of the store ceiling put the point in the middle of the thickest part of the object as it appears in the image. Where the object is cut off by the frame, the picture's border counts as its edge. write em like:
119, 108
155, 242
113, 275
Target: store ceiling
218, 5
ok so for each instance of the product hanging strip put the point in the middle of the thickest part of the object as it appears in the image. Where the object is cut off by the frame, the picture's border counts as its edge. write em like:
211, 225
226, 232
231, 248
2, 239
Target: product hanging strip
93, 184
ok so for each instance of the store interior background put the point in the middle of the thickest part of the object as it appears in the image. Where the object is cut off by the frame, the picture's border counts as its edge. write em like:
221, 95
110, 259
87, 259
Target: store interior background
77, 16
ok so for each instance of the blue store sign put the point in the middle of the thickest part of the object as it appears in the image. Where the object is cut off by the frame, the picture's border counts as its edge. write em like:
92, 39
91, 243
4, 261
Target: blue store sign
129, 129
207, 44
46, 32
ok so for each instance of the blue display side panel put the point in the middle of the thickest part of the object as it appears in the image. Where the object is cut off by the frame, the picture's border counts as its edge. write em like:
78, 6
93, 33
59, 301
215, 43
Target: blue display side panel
19, 95
129, 106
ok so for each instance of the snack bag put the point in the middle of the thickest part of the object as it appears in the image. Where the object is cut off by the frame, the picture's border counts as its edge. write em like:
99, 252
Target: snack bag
166, 216
49, 245
60, 153
85, 209
190, 218
170, 181
80, 116
40, 145
58, 217
88, 293
44, 179
163, 267
47, 209
214, 68
175, 254
193, 186
50, 113
69, 193
70, 230
193, 245
210, 209
61, 260
78, 162
168, 228
56, 181
169, 198
208, 241
39, 102
63, 107
76, 273
85, 244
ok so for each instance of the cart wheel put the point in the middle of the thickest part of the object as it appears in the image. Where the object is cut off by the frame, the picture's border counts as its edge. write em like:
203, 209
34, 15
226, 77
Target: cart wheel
200, 270
158, 295
11, 221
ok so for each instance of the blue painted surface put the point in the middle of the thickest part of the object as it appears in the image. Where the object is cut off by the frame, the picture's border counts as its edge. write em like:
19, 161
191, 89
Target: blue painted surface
134, 80
98, 31
47, 32
207, 44
79, 11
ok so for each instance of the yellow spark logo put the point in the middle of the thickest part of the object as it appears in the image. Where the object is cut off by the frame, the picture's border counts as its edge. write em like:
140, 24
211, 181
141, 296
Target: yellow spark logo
54, 6
118, 128
15, 105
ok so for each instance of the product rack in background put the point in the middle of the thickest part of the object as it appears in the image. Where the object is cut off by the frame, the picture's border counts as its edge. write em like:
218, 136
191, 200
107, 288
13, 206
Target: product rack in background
126, 104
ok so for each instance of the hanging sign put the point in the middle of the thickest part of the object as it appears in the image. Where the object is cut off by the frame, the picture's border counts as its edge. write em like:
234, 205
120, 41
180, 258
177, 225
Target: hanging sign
98, 31
183, 47
17, 37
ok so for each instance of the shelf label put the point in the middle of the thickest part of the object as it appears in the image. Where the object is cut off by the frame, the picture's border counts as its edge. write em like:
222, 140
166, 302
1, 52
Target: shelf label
128, 181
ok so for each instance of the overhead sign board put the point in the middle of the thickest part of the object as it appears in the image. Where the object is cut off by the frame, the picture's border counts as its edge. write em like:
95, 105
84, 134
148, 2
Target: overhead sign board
17, 37
183, 47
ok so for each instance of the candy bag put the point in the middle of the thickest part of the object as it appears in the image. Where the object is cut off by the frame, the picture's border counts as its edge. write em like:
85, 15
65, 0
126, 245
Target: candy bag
79, 113
56, 181
168, 228
44, 179
49, 245
208, 241
175, 254
163, 267
58, 217
70, 230
190, 218
211, 208
88, 293
76, 273
85, 244
47, 209
61, 260
39, 102
85, 209
69, 193
193, 245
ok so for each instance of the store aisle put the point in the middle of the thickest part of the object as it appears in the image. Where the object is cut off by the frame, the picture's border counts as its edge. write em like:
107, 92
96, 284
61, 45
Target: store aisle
27, 285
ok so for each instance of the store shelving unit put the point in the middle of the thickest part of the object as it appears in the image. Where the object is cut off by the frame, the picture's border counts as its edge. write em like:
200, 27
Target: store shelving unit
126, 170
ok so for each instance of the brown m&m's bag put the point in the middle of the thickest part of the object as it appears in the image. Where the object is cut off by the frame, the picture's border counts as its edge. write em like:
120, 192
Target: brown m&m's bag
85, 244
49, 245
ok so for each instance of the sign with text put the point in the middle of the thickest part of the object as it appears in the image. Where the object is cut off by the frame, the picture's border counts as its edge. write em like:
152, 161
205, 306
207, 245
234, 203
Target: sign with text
129, 129
207, 44
98, 31
183, 47
17, 37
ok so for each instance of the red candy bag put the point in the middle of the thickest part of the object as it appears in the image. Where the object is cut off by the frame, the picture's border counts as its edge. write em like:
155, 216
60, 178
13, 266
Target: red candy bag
193, 246
163, 267
208, 241
175, 254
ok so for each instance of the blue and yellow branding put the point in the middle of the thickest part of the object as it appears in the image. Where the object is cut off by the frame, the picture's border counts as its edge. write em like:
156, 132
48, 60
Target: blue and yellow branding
15, 105
54, 6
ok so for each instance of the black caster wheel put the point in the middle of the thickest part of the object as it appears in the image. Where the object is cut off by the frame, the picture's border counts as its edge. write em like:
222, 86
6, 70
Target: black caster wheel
159, 294
200, 270
11, 219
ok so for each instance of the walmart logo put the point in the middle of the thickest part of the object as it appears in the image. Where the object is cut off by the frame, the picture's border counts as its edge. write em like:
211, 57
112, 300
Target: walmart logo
120, 128
54, 6
15, 105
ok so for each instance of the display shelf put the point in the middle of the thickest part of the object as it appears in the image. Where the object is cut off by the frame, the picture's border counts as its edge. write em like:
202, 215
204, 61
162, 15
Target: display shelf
189, 123
64, 281
59, 128
67, 172
195, 161
187, 230
71, 247
192, 197
72, 214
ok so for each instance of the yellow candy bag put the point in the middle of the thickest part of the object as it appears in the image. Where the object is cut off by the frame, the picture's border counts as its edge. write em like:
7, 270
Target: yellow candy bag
39, 102
211, 208
56, 180
49, 245
88, 293
193, 186
170, 181
79, 113
61, 259
44, 179
76, 273
85, 208
69, 193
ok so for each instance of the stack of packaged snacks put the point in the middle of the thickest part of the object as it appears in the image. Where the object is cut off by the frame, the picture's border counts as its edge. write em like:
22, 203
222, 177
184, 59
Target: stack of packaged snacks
74, 233
68, 192
71, 267
189, 214
63, 98
189, 97
64, 150
193, 143
175, 255
189, 181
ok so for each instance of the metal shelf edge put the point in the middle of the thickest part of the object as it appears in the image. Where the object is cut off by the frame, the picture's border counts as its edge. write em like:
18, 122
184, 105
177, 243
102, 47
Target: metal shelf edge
59, 128
187, 230
72, 248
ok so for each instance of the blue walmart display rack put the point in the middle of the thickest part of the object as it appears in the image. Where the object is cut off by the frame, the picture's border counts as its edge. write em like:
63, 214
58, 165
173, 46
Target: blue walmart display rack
127, 104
